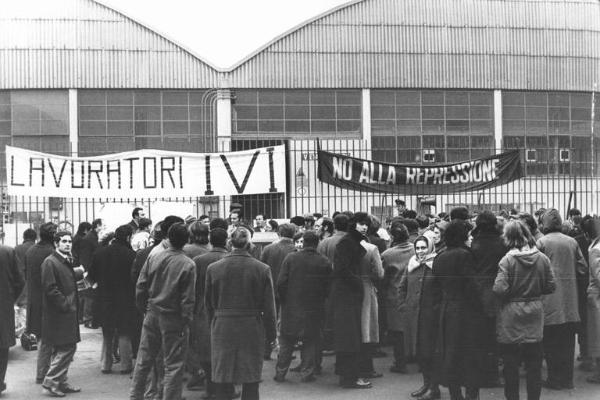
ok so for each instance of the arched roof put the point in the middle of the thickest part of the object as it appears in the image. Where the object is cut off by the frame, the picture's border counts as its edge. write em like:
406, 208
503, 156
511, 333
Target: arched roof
495, 44
84, 44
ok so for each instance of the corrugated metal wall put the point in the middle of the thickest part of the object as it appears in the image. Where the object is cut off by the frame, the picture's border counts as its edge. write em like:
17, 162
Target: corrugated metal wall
526, 44
83, 44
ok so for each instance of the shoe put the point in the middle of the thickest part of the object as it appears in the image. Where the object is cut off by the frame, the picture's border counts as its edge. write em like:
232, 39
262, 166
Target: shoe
430, 395
309, 378
2, 387
551, 385
398, 369
66, 388
130, 370
358, 384
297, 368
420, 391
106, 371
327, 353
279, 378
53, 392
373, 375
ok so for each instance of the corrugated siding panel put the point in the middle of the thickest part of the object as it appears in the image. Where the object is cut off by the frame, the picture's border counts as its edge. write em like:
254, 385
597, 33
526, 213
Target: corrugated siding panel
527, 44
82, 44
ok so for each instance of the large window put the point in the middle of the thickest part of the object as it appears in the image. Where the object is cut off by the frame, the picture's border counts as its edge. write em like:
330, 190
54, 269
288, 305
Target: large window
431, 126
35, 120
299, 114
122, 120
554, 128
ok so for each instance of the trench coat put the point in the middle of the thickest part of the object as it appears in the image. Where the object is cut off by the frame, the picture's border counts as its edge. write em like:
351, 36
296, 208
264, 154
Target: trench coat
567, 262
111, 270
327, 246
347, 293
60, 300
240, 304
460, 345
200, 331
395, 260
11, 285
20, 251
593, 301
34, 257
274, 253
371, 271
302, 287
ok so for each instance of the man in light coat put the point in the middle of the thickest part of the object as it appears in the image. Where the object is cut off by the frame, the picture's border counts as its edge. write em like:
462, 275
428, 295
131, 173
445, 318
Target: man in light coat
561, 312
240, 304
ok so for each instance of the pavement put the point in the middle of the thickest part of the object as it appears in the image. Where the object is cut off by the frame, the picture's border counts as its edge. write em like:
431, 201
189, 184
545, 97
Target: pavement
85, 373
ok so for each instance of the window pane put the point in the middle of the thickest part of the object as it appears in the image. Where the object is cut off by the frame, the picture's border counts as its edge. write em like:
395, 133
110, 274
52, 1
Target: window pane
322, 112
457, 98
433, 97
583, 100
348, 112
297, 97
297, 126
383, 112
481, 112
144, 113
5, 128
270, 112
383, 127
349, 97
409, 127
245, 97
457, 112
246, 112
5, 113
119, 128
92, 128
486, 142
536, 113
54, 128
270, 97
322, 97
481, 98
556, 113
175, 128
323, 126
408, 97
384, 97
297, 112
408, 112
119, 97
246, 126
481, 126
536, 99
58, 112
175, 98
26, 112
434, 141
26, 127
433, 126
513, 98
433, 112
352, 126
558, 99
509, 112
271, 126
536, 127
119, 113
147, 97
175, 113
147, 128
513, 127
457, 125
458, 142
91, 97
148, 143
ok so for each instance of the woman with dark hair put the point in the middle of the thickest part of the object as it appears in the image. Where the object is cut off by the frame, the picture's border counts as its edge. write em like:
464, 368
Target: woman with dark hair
395, 260
524, 275
324, 227
352, 304
422, 315
459, 352
529, 220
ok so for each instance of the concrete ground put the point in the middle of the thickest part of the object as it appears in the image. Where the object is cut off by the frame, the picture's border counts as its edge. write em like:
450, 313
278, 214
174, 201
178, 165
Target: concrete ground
85, 372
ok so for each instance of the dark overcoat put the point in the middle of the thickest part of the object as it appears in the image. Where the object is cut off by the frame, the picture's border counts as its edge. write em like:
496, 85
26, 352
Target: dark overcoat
488, 249
302, 288
200, 332
241, 306
273, 255
347, 293
395, 259
60, 300
460, 343
111, 270
87, 247
34, 257
11, 285
20, 251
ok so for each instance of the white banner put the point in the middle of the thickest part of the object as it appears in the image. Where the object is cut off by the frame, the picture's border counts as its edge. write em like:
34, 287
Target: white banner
146, 174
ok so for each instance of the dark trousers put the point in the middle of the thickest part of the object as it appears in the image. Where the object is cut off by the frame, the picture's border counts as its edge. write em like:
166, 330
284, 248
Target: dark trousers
249, 391
166, 332
431, 379
531, 355
365, 364
211, 387
3, 364
60, 361
347, 366
396, 339
307, 355
559, 351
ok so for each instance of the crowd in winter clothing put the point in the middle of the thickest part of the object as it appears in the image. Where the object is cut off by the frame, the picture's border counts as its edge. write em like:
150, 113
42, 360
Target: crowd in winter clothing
459, 294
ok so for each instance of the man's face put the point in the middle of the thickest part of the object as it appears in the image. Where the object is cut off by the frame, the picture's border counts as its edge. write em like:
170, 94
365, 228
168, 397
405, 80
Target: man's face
362, 228
260, 220
100, 227
234, 218
141, 214
318, 225
205, 221
64, 244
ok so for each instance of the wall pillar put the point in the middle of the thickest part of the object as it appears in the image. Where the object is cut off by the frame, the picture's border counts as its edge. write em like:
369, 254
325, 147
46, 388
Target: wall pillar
224, 120
73, 123
498, 120
366, 121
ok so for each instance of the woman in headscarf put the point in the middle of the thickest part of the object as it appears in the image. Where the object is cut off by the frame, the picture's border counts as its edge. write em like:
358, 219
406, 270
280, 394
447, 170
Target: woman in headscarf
422, 314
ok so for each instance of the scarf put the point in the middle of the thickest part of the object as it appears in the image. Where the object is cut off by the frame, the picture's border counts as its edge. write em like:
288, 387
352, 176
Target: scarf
427, 259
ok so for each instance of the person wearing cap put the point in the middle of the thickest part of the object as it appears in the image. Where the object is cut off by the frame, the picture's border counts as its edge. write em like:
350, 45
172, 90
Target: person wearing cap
299, 221
561, 311
488, 249
460, 213
400, 207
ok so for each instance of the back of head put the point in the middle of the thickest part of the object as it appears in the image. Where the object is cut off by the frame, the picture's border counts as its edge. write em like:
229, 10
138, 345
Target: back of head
178, 235
218, 237
360, 218
375, 225
29, 234
574, 212
590, 226
298, 220
399, 232
83, 228
241, 238
410, 214
143, 223
486, 222
341, 222
311, 239
460, 213
423, 221
157, 233
170, 221
47, 232
286, 230
530, 222
551, 221
412, 225
199, 232
517, 234
218, 223
96, 223
457, 233
123, 232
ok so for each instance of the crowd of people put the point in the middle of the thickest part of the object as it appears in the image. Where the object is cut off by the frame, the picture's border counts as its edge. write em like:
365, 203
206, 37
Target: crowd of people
461, 295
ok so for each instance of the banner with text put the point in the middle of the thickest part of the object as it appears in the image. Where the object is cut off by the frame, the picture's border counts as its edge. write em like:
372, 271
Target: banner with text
146, 174
373, 176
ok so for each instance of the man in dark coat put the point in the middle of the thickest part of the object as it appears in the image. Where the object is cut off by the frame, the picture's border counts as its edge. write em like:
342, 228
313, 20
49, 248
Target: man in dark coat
273, 256
29, 237
60, 328
240, 304
11, 285
34, 258
302, 288
111, 270
488, 249
87, 247
165, 290
136, 215
346, 298
200, 332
